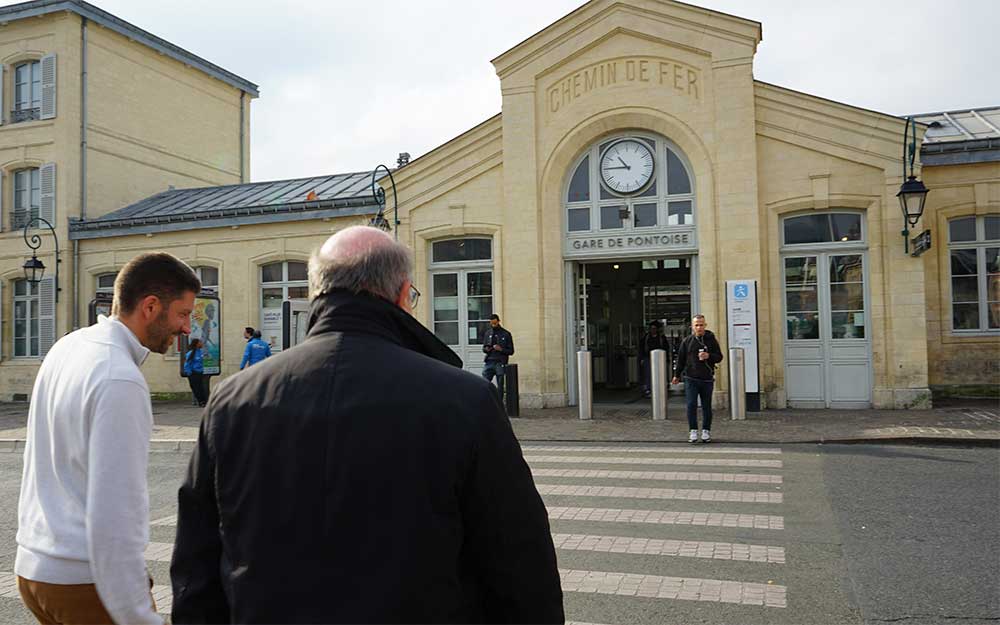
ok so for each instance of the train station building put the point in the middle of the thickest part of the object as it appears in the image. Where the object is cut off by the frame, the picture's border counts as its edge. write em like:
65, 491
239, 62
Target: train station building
637, 172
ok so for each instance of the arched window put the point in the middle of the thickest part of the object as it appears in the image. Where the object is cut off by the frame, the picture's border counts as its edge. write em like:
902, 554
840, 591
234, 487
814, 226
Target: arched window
974, 255
462, 295
629, 183
279, 281
209, 277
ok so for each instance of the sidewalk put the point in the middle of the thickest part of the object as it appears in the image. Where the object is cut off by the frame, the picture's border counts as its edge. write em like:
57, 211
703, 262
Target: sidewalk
958, 422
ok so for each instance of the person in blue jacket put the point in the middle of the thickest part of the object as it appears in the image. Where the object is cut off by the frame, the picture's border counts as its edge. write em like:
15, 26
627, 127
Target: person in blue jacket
256, 351
194, 369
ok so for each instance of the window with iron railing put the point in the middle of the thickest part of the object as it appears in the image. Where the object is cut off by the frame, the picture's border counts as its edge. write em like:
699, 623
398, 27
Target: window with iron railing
27, 92
27, 197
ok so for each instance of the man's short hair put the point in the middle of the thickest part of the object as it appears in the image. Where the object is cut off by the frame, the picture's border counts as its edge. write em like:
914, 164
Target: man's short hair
655, 323
495, 316
698, 316
379, 271
153, 273
248, 330
257, 334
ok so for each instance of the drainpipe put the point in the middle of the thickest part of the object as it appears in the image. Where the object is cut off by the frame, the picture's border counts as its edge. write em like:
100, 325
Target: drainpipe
242, 133
83, 170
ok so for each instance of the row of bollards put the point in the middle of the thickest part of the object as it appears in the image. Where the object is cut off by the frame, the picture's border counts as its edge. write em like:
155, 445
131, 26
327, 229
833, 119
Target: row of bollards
659, 378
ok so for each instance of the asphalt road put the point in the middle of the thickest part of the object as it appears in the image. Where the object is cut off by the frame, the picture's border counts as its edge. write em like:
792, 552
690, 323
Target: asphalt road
830, 534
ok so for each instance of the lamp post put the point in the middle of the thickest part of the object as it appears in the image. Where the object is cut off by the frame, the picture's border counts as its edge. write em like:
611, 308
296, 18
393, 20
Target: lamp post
379, 221
34, 269
912, 193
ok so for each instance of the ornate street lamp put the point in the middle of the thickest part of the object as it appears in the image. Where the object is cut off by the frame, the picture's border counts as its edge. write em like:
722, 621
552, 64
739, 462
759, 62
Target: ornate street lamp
378, 193
34, 269
912, 193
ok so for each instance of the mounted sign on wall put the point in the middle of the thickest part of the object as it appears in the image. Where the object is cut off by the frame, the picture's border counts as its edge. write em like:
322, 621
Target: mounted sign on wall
741, 317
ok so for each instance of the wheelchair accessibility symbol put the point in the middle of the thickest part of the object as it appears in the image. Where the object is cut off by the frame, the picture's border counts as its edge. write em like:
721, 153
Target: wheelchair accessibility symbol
741, 291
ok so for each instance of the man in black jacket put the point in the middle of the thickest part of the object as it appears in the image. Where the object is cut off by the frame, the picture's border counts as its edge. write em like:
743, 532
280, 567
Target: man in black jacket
361, 476
498, 345
696, 360
653, 339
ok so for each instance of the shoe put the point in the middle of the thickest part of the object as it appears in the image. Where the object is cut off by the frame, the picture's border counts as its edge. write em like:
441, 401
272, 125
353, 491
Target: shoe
706, 436
693, 436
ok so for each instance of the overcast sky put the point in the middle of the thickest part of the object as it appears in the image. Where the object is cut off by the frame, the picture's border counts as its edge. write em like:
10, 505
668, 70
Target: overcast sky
346, 85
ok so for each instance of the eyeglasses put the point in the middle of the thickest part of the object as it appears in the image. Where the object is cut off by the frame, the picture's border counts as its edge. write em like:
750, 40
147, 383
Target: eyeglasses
414, 296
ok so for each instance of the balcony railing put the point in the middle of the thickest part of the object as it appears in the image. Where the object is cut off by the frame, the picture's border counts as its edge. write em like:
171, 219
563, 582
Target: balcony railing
25, 115
20, 217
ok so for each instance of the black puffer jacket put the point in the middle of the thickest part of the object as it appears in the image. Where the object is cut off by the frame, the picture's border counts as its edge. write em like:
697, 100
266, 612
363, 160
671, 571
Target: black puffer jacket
361, 477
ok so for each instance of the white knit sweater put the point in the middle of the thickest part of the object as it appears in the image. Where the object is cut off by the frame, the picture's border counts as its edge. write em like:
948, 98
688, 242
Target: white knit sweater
83, 514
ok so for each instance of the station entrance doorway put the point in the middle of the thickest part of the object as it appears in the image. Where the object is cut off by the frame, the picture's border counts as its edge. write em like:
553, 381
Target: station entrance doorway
615, 301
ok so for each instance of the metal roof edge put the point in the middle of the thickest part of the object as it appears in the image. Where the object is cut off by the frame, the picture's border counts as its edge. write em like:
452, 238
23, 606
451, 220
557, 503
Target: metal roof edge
131, 31
220, 222
296, 208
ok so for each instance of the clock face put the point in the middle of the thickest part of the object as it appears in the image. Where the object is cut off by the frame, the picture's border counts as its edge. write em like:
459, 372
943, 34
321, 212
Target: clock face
627, 166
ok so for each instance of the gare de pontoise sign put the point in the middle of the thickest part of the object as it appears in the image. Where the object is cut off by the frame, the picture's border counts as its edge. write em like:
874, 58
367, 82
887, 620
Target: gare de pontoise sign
629, 244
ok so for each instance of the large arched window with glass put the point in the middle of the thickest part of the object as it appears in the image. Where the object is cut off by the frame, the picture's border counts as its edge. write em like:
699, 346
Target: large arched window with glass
280, 281
827, 333
629, 183
461, 277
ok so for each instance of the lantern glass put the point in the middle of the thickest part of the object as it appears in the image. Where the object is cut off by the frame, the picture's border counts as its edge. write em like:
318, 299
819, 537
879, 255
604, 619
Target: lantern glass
34, 269
912, 195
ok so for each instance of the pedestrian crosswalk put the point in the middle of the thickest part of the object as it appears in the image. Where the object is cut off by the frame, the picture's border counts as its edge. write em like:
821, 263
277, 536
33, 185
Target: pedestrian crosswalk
646, 538
652, 548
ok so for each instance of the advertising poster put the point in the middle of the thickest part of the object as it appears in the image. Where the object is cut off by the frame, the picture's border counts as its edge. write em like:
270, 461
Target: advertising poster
741, 301
206, 325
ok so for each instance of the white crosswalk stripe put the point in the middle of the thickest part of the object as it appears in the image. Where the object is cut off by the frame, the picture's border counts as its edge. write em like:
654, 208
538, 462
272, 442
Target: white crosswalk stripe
667, 517
683, 588
582, 490
665, 476
729, 451
697, 462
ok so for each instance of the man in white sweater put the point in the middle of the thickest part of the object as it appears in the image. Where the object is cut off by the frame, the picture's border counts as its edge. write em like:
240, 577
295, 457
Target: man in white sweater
83, 514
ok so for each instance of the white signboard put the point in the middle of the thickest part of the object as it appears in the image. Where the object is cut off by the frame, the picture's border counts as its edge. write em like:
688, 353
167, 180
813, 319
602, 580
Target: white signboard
741, 309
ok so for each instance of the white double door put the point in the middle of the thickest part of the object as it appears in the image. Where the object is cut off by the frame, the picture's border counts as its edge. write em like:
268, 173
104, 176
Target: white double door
827, 330
461, 305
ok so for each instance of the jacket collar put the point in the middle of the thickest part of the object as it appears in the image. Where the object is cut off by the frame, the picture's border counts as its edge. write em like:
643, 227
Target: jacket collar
344, 311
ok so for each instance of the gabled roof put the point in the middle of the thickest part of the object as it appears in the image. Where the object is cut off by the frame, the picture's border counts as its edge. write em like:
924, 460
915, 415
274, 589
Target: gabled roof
958, 137
337, 195
99, 16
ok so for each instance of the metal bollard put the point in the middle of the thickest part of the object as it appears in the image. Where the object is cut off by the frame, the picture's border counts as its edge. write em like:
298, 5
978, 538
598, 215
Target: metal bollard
585, 384
512, 393
737, 384
658, 382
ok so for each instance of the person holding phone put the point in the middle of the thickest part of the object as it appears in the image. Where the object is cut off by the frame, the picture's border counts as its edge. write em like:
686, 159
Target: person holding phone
696, 360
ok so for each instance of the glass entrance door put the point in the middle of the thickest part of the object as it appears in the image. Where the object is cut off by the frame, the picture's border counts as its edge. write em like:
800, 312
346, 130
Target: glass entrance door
462, 303
827, 342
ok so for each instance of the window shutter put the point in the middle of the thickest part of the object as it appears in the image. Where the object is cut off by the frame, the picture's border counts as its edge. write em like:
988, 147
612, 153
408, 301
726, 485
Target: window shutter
2, 220
3, 105
46, 315
48, 86
1, 320
47, 187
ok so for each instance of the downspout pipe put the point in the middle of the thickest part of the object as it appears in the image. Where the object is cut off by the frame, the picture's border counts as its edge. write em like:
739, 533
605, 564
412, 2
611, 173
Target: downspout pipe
83, 170
243, 100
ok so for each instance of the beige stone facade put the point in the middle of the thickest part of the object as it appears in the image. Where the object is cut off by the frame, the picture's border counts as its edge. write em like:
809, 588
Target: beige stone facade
109, 123
758, 158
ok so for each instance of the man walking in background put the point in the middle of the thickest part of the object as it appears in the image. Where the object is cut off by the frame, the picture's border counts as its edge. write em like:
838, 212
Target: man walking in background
696, 360
83, 514
498, 345
361, 476
653, 339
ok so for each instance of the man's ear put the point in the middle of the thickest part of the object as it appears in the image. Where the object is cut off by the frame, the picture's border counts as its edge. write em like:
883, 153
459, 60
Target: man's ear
403, 297
149, 306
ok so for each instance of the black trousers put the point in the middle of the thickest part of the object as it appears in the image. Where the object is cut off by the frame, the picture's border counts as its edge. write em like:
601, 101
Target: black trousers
197, 382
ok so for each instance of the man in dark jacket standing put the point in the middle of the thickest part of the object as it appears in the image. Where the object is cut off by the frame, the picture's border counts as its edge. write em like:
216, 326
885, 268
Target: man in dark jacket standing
498, 345
361, 476
696, 360
653, 339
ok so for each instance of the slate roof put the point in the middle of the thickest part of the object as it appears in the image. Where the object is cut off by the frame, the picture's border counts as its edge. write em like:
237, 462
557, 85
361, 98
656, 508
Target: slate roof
280, 200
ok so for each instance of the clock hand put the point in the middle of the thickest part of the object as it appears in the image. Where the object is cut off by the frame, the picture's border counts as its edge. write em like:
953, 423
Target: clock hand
623, 163
610, 168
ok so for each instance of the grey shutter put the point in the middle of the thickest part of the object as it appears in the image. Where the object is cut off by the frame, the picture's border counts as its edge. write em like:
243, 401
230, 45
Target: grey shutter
1, 321
48, 86
2, 220
47, 187
3, 105
46, 315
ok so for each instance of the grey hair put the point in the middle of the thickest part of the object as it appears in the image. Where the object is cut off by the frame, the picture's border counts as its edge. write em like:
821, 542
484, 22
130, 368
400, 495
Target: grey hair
381, 271
698, 316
